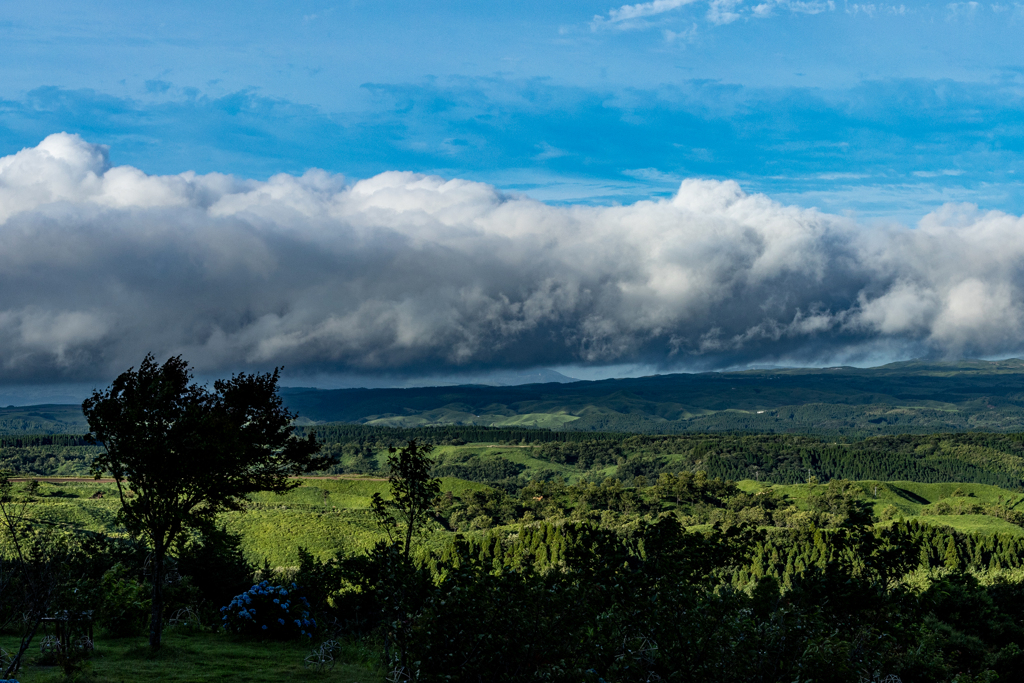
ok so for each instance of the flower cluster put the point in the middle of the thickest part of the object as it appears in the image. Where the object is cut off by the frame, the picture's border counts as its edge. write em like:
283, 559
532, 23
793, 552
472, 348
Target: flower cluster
270, 612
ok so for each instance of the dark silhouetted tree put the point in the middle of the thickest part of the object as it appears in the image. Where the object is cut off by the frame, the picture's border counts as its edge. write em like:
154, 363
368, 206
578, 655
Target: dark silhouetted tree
181, 453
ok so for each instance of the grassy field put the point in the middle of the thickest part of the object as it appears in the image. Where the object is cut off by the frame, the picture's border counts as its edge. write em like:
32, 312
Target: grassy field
910, 498
521, 455
198, 658
330, 517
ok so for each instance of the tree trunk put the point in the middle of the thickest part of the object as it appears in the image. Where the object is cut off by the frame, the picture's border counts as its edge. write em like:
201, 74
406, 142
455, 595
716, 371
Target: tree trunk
408, 535
25, 642
156, 622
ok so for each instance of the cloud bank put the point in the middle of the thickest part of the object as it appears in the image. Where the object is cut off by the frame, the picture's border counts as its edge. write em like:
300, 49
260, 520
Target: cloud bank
408, 274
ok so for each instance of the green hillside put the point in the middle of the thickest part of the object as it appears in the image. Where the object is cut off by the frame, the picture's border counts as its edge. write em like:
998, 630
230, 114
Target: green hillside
511, 457
909, 397
42, 419
330, 517
899, 398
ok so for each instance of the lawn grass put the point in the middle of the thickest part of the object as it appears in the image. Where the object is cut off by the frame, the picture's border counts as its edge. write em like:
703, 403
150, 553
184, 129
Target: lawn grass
197, 658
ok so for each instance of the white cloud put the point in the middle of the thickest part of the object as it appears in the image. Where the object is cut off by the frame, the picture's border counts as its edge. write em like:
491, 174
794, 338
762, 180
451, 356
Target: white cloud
938, 174
406, 273
641, 10
723, 11
766, 9
719, 12
680, 37
961, 10
548, 151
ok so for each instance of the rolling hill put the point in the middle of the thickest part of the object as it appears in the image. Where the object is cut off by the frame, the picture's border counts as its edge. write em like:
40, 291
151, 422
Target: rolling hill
906, 397
913, 397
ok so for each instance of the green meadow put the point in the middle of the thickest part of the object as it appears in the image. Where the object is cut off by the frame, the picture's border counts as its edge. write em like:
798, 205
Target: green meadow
330, 517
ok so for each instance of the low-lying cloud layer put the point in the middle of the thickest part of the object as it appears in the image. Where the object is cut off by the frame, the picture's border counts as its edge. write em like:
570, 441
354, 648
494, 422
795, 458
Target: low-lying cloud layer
410, 274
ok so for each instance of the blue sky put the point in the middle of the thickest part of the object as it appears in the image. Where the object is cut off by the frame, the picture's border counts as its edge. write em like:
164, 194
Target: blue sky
621, 188
884, 110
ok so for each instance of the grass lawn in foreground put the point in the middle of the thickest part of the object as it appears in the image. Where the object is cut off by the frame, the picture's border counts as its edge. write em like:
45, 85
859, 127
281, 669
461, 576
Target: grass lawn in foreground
197, 658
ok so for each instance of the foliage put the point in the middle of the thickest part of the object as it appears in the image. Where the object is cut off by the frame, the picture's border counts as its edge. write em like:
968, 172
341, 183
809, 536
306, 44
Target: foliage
739, 605
214, 562
842, 504
34, 569
124, 605
266, 611
474, 468
413, 492
48, 460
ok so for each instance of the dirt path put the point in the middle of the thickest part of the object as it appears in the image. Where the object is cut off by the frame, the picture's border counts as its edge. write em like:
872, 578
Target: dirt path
107, 480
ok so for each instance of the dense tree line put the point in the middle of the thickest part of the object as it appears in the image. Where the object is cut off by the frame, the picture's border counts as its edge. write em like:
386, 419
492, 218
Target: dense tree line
996, 459
43, 460
572, 601
691, 498
565, 599
30, 440
827, 420
472, 468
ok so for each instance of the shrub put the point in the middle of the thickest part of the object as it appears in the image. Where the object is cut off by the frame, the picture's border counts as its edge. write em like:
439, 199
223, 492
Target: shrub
214, 564
126, 605
269, 612
889, 512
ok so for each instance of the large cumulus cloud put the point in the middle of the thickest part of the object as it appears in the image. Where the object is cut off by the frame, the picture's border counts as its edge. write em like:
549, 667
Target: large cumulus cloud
404, 273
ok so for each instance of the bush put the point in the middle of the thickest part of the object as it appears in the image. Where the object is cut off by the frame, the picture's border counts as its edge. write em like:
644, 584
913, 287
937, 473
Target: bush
126, 606
270, 612
214, 565
889, 512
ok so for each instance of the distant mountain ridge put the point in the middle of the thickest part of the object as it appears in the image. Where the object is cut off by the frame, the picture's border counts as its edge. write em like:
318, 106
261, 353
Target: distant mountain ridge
904, 397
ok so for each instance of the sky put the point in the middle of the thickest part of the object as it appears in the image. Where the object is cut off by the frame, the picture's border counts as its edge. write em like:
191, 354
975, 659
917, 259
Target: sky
374, 192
